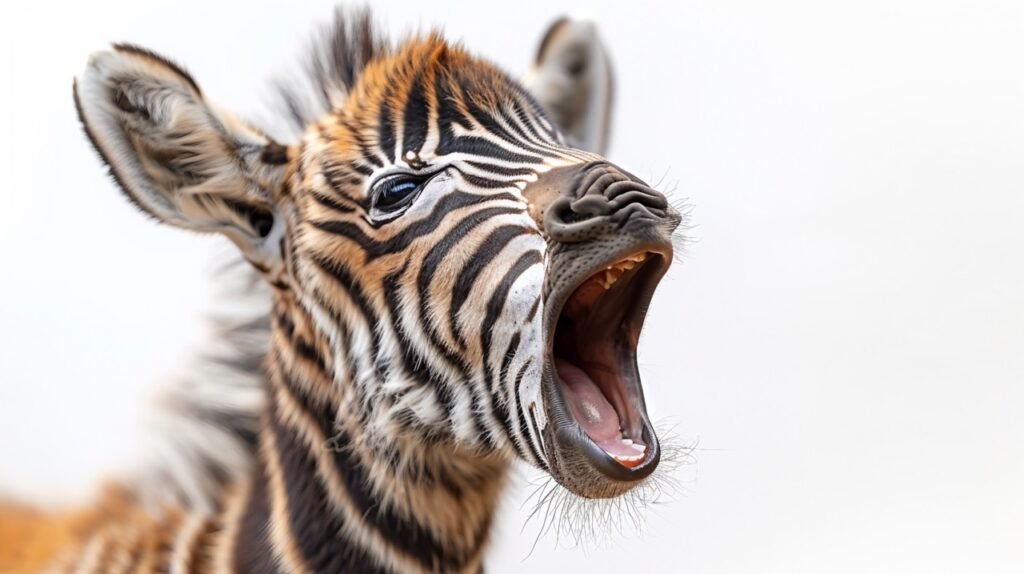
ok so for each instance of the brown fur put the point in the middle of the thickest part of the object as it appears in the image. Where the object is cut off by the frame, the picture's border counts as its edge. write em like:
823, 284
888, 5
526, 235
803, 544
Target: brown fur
115, 530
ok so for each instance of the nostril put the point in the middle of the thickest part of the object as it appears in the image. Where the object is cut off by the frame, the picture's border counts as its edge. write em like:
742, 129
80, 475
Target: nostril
566, 212
566, 225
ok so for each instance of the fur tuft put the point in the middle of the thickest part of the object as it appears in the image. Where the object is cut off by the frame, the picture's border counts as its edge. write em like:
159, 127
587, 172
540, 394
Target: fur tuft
203, 424
336, 58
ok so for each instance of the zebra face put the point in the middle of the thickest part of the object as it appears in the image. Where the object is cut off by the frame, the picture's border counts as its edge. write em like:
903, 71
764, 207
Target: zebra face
448, 272
484, 283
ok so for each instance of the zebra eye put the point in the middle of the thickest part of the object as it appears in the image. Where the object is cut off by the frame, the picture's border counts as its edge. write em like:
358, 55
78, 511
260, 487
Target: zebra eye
396, 192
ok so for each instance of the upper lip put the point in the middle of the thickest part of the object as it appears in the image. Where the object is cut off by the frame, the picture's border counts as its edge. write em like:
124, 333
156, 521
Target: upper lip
642, 280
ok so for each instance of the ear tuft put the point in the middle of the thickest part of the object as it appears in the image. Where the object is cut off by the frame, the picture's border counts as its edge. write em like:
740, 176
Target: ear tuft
175, 156
125, 105
261, 220
264, 223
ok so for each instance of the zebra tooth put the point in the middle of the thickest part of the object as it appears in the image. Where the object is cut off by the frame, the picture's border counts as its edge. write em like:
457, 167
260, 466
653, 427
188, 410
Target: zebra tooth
612, 272
627, 441
611, 276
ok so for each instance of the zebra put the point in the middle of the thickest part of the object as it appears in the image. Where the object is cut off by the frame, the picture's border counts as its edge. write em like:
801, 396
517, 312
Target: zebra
444, 275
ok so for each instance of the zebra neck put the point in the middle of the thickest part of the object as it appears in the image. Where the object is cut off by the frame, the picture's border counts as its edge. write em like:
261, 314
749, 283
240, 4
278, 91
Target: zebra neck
331, 495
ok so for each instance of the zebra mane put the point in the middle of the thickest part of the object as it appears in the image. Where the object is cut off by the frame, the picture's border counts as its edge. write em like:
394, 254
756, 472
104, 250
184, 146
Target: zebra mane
336, 58
203, 422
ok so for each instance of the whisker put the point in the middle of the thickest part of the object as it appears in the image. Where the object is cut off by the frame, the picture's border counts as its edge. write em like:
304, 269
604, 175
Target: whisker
588, 523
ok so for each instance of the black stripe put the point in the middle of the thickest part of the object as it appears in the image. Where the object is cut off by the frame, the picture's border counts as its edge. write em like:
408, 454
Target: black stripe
510, 353
502, 170
285, 323
316, 529
475, 145
331, 203
253, 551
536, 430
363, 170
369, 157
415, 116
309, 352
447, 112
533, 309
522, 416
385, 130
488, 250
487, 183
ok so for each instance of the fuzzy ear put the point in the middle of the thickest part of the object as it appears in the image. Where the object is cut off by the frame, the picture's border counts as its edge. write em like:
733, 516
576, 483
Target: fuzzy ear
572, 79
176, 157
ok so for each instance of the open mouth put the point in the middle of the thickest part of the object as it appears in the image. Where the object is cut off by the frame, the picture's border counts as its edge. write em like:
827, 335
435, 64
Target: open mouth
594, 357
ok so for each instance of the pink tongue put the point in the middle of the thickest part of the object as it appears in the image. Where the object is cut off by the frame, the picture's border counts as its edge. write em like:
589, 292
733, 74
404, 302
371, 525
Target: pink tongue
592, 410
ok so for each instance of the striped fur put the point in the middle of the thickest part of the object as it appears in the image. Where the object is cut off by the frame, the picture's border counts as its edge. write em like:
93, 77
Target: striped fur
400, 351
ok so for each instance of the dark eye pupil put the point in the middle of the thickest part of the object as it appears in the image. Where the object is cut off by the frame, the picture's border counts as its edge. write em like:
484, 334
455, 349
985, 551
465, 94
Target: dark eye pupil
395, 193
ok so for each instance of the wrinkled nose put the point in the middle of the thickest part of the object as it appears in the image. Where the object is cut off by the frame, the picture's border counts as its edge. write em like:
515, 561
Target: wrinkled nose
588, 201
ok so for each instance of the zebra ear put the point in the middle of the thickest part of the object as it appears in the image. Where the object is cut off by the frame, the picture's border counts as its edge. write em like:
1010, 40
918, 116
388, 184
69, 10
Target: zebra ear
173, 155
572, 78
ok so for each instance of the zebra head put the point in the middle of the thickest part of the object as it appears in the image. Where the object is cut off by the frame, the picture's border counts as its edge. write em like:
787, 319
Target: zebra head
474, 282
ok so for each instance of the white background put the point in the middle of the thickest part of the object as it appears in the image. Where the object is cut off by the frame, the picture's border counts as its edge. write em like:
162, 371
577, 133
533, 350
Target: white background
844, 337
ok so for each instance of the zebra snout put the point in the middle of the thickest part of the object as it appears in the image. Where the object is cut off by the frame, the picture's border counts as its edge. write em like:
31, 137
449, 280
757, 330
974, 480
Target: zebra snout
588, 201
